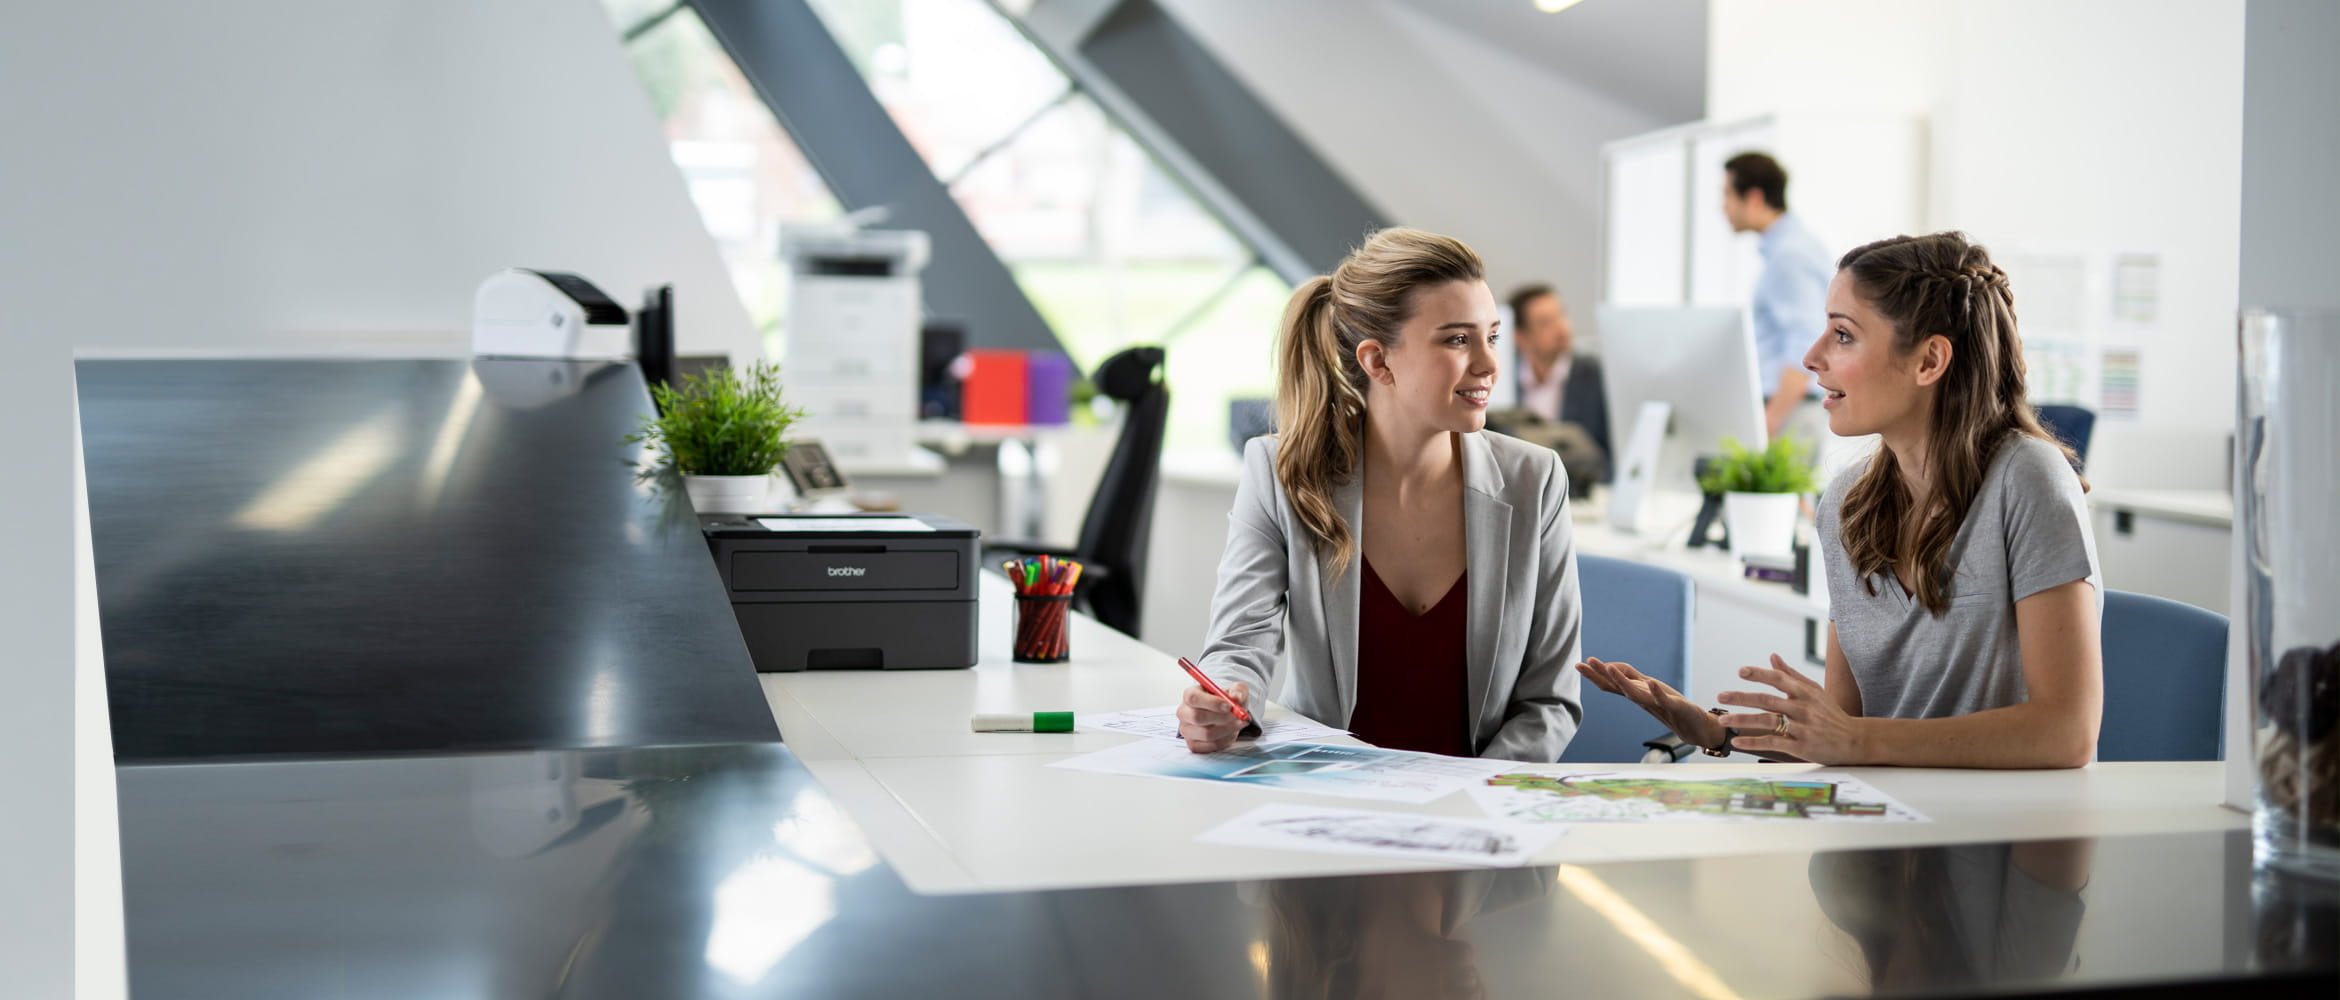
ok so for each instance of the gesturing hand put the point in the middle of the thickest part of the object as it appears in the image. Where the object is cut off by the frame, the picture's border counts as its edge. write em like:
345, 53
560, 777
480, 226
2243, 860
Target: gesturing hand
1816, 729
1693, 724
1206, 720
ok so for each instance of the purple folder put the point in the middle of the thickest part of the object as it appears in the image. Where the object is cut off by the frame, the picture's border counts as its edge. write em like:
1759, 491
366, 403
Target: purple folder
1048, 379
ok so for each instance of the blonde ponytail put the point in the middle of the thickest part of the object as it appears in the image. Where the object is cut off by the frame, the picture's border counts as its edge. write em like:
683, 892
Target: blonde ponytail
1320, 390
1317, 410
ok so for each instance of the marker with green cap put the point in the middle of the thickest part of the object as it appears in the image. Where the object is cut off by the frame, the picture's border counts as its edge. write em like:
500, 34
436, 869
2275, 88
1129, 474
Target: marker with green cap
1019, 722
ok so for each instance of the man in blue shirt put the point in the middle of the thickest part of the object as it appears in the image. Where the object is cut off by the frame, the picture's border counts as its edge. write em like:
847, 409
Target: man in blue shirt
1791, 295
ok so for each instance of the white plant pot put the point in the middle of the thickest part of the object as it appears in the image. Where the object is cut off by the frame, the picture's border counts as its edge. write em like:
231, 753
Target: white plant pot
1762, 524
728, 494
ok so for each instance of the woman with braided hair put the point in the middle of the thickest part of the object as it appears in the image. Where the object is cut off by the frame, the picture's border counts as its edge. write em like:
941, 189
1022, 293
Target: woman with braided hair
1962, 578
1416, 566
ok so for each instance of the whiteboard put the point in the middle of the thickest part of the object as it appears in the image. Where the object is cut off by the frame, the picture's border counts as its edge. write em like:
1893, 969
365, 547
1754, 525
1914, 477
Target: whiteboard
1723, 264
1647, 223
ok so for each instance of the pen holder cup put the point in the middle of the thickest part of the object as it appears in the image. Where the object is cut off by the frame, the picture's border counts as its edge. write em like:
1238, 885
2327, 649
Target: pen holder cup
1042, 627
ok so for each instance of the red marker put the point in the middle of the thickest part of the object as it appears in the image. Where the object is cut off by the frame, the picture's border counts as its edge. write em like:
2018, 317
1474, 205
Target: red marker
1196, 673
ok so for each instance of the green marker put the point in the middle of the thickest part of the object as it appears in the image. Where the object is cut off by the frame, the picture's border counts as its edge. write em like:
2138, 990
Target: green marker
1017, 722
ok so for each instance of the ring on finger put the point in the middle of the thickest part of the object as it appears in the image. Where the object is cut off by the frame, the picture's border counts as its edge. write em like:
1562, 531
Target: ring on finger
1781, 729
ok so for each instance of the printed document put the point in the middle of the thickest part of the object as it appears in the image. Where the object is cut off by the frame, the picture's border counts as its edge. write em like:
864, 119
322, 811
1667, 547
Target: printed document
1352, 772
1411, 836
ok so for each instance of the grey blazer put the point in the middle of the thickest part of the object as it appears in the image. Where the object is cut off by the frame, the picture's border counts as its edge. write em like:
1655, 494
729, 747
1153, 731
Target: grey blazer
1523, 606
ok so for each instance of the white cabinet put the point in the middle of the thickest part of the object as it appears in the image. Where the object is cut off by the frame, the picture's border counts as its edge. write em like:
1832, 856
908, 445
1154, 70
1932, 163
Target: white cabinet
2168, 543
1731, 632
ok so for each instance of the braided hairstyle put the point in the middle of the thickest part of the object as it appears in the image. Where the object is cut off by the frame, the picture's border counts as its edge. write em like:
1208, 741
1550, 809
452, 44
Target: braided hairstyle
1939, 285
1320, 390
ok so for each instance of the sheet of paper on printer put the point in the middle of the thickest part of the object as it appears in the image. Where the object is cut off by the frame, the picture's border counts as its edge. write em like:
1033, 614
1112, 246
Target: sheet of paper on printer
812, 524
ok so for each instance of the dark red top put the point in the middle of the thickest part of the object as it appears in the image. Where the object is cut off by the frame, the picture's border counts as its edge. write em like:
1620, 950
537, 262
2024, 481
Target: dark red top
1411, 671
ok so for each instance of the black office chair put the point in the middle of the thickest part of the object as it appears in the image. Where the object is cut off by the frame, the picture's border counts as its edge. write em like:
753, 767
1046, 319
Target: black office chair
2072, 425
1120, 524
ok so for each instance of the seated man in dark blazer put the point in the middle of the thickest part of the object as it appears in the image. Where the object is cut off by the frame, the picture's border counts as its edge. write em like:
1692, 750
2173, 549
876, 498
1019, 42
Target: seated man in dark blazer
1549, 378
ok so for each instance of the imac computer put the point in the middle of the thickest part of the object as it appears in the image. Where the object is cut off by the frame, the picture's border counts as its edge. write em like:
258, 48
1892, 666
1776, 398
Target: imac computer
1700, 361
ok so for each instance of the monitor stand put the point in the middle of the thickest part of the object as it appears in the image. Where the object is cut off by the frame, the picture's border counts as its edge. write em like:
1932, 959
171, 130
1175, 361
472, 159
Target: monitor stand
1710, 511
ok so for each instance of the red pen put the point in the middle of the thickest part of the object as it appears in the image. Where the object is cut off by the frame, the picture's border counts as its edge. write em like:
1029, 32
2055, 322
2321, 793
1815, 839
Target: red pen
1196, 673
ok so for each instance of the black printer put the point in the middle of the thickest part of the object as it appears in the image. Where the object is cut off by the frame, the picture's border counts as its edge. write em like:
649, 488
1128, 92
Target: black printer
867, 591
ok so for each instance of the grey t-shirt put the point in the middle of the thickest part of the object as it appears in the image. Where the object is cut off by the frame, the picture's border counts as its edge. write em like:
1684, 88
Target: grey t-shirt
2026, 532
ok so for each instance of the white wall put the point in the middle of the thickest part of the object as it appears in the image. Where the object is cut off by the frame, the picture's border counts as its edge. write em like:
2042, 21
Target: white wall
305, 177
2291, 144
2079, 126
1440, 129
1825, 55
37, 854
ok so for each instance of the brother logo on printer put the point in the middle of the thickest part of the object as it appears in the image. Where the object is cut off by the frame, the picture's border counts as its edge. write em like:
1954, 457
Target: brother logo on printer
846, 571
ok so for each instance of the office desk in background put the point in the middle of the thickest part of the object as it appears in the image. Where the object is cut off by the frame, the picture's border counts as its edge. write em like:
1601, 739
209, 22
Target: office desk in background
2168, 543
1008, 480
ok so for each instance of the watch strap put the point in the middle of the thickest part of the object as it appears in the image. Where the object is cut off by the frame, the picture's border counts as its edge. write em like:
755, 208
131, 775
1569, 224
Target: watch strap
1725, 749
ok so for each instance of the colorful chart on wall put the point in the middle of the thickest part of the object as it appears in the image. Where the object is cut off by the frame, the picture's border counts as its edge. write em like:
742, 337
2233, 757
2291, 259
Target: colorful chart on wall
1608, 797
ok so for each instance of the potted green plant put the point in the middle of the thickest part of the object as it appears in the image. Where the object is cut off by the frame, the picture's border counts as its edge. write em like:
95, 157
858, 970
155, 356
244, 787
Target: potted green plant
724, 432
1762, 492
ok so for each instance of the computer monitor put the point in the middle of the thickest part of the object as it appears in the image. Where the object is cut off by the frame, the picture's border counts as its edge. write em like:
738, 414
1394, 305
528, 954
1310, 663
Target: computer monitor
654, 335
940, 343
1699, 360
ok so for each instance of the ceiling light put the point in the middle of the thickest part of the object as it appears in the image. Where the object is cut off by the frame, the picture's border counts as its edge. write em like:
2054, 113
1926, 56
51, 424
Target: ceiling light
1554, 6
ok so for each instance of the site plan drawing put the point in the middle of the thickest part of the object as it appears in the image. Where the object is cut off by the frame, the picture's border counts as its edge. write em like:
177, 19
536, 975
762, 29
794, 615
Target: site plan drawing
1707, 799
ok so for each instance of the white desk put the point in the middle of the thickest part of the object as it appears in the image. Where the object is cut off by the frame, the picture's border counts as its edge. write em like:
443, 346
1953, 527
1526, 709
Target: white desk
1663, 541
2209, 508
1737, 621
957, 811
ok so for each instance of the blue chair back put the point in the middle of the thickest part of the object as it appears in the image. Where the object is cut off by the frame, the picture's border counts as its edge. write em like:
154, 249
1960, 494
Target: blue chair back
1638, 614
2073, 425
2164, 679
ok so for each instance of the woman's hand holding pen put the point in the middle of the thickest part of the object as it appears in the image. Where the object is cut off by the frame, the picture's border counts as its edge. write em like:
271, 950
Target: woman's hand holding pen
1207, 721
1801, 721
1694, 725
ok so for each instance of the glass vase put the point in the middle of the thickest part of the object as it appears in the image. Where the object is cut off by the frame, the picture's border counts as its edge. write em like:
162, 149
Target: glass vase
2288, 513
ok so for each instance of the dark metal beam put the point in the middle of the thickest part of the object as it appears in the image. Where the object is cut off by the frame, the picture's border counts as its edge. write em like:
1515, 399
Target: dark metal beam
812, 87
1222, 128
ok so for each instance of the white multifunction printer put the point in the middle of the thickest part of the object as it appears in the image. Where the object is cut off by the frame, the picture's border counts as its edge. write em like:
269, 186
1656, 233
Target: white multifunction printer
852, 340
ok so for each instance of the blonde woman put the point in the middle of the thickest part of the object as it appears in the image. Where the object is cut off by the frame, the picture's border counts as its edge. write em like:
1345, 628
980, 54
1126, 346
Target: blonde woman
1418, 566
1963, 592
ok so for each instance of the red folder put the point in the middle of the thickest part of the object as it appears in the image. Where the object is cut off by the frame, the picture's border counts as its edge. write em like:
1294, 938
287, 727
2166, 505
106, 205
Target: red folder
994, 390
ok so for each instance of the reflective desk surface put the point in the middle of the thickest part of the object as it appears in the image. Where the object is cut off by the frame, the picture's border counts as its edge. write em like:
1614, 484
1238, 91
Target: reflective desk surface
726, 871
327, 558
